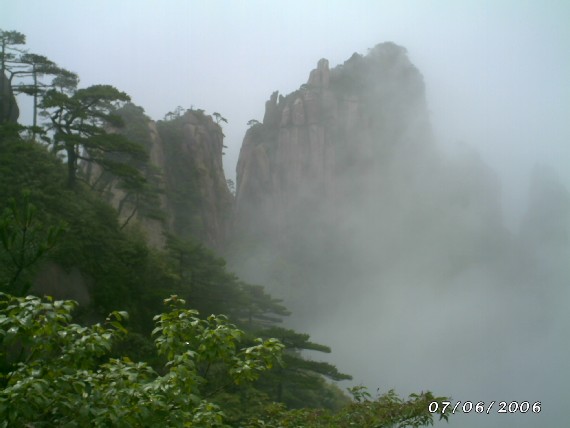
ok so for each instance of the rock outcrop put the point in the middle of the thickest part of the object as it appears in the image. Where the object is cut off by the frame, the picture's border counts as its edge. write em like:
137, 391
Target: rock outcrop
9, 111
325, 139
188, 195
198, 198
342, 186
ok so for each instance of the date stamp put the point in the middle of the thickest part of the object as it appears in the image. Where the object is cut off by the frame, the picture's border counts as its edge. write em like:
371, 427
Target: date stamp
447, 407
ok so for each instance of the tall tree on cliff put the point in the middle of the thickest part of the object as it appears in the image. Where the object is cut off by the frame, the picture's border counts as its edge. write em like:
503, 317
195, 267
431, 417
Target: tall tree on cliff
82, 122
22, 73
8, 51
32, 66
299, 381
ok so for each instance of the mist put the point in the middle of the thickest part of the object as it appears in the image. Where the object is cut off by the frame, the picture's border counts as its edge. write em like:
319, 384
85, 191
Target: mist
399, 253
442, 264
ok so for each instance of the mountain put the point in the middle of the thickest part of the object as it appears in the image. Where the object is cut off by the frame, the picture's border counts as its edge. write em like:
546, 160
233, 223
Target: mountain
343, 184
392, 250
330, 136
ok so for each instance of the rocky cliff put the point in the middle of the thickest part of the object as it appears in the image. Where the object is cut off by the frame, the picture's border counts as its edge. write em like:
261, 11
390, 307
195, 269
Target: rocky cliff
325, 139
187, 193
343, 180
9, 111
198, 198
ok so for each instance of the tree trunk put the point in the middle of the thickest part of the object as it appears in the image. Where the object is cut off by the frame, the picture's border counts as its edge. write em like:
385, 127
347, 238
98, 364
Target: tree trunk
35, 123
71, 165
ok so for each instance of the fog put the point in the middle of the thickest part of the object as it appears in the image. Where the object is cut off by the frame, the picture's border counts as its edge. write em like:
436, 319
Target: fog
467, 299
403, 260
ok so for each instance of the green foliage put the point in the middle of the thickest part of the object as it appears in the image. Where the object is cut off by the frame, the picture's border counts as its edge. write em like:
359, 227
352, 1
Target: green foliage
202, 279
182, 183
176, 114
117, 266
8, 50
80, 120
135, 124
387, 410
299, 381
143, 195
219, 118
24, 72
56, 373
25, 166
192, 187
23, 242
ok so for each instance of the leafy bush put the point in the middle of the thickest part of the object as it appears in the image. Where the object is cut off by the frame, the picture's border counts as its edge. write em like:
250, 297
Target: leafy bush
55, 373
386, 411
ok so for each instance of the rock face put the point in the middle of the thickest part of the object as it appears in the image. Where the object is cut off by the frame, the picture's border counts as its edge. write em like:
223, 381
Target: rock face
198, 198
353, 117
9, 111
342, 186
189, 196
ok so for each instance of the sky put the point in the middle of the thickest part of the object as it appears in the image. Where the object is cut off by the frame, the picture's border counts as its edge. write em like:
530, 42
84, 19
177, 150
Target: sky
497, 76
496, 72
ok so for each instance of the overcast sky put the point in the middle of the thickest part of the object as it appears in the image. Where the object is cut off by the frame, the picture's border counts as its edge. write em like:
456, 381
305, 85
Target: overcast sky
497, 72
